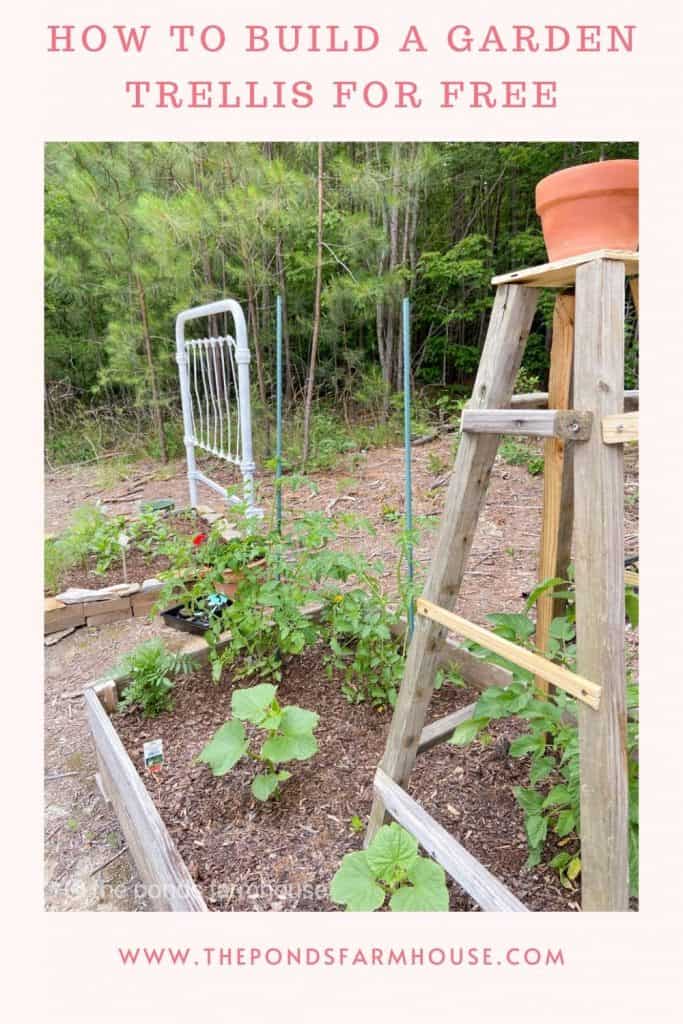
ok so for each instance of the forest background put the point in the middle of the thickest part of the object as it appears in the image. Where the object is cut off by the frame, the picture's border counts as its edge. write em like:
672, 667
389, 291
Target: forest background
137, 232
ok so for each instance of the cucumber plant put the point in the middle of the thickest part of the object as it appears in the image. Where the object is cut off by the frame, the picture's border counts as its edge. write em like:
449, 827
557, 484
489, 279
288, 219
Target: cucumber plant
390, 868
288, 737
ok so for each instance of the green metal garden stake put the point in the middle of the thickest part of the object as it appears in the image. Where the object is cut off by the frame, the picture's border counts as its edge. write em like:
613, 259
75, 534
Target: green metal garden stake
407, 452
278, 414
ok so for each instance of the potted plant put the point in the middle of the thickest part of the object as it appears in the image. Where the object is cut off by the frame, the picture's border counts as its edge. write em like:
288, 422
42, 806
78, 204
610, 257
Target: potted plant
589, 207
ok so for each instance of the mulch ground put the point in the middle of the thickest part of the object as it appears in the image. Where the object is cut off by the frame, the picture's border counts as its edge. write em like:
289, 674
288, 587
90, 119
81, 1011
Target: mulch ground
139, 566
281, 855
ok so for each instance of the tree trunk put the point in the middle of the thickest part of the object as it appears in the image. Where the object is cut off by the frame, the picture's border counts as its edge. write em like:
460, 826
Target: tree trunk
156, 408
316, 314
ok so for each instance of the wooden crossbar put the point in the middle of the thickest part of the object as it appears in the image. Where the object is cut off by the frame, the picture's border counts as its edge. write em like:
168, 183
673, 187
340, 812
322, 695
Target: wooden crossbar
463, 868
539, 400
631, 579
583, 689
565, 424
620, 428
561, 273
442, 728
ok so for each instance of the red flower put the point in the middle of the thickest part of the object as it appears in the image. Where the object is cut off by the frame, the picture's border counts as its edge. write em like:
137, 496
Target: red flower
199, 539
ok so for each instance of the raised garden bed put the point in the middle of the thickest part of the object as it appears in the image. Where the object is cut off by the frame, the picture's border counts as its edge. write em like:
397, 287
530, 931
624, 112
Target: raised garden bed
139, 565
134, 598
204, 843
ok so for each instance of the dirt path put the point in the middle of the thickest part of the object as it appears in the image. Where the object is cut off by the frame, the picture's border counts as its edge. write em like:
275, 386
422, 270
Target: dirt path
81, 834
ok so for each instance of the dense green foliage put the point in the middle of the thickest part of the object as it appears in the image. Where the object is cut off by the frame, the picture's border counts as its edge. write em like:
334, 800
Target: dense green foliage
551, 801
94, 534
135, 232
279, 578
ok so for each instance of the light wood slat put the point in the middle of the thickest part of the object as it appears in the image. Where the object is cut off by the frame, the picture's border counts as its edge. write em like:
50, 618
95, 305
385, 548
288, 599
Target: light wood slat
442, 728
561, 273
599, 568
620, 428
155, 854
563, 424
509, 325
539, 400
578, 686
631, 579
466, 870
558, 478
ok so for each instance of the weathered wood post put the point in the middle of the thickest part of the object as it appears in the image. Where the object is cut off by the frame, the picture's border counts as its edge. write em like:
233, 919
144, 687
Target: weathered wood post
599, 553
558, 480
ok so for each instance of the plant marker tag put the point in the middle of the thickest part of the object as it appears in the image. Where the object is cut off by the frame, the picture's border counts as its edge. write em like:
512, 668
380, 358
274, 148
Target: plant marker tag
153, 753
124, 541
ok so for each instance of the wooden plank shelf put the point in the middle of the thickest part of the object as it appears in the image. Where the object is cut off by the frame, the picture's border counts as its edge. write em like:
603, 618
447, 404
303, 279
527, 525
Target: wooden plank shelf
567, 425
466, 870
620, 428
583, 689
562, 273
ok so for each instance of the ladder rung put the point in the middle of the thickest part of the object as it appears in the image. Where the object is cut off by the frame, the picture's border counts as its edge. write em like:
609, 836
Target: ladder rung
568, 425
583, 689
442, 728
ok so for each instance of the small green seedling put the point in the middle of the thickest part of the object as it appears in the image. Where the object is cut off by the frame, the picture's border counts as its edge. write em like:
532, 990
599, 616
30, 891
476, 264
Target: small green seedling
289, 737
391, 866
356, 824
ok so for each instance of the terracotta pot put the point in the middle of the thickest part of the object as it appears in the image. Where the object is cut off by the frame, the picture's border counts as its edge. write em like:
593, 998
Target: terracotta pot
589, 207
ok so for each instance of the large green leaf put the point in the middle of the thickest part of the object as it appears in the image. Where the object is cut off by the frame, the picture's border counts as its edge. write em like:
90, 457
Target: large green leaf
528, 799
252, 705
354, 884
263, 786
566, 823
548, 584
296, 721
427, 890
632, 608
467, 731
392, 852
557, 797
228, 745
512, 625
528, 744
562, 629
536, 829
289, 748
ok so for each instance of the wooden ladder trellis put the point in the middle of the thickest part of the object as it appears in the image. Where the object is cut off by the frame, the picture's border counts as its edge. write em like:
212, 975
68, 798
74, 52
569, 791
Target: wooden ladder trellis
588, 338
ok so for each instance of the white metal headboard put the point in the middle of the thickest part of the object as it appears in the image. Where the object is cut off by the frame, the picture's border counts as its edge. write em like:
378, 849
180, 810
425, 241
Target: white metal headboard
214, 391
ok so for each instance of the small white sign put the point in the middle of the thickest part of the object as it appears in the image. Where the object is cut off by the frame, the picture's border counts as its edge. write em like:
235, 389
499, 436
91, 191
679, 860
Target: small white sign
153, 753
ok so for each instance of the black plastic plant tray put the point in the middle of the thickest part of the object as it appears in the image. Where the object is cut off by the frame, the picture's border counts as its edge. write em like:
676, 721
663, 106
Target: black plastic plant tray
198, 623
